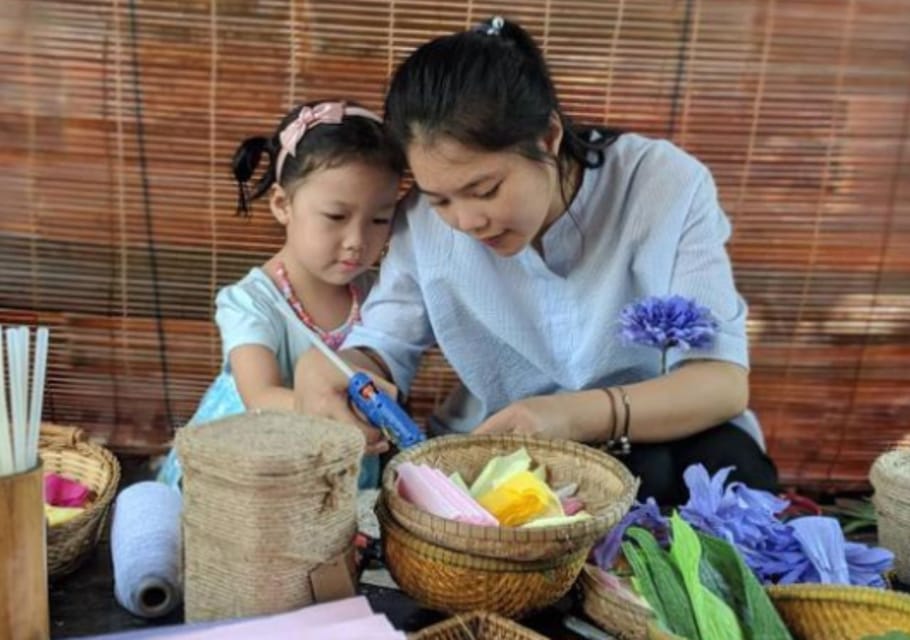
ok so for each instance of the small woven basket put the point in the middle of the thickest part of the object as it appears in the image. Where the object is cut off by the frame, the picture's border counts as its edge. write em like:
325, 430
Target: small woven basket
66, 451
604, 485
454, 581
621, 617
481, 625
890, 476
834, 612
810, 611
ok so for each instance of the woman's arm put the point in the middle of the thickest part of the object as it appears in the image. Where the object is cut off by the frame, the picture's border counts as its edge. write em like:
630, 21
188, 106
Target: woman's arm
258, 379
694, 397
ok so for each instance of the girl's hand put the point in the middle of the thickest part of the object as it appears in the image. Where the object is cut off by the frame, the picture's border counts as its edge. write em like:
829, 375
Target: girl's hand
321, 390
547, 416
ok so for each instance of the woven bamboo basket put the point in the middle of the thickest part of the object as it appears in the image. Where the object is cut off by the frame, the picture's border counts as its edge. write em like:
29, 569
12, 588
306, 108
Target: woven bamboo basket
480, 625
890, 476
457, 582
810, 611
621, 617
67, 452
604, 485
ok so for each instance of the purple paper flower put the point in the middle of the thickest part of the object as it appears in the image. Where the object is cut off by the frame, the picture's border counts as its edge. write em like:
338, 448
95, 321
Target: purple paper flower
809, 549
643, 514
667, 322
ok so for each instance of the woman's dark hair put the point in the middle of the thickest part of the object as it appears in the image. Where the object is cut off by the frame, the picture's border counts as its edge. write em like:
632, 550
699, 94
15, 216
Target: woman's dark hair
488, 88
327, 145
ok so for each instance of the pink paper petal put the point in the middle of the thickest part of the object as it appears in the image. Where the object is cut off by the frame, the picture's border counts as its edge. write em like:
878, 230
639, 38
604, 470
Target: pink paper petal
63, 492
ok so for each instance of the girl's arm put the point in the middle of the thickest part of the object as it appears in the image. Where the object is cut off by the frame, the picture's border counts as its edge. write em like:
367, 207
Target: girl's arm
258, 378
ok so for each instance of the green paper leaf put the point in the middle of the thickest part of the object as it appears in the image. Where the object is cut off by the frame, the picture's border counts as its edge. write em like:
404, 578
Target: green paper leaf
724, 572
666, 593
714, 619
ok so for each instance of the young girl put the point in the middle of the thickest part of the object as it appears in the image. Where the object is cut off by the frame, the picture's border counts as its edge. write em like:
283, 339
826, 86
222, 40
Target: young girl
332, 180
523, 240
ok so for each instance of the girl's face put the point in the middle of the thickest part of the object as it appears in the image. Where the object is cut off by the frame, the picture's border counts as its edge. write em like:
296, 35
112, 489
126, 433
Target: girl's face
502, 199
338, 219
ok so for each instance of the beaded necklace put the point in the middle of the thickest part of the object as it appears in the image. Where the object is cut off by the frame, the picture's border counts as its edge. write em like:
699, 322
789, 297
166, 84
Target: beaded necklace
332, 338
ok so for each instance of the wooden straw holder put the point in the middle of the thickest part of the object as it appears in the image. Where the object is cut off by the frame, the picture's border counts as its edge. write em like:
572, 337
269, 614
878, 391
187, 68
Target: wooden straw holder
23, 560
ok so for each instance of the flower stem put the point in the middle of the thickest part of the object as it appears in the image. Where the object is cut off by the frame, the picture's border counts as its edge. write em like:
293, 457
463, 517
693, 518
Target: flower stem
663, 361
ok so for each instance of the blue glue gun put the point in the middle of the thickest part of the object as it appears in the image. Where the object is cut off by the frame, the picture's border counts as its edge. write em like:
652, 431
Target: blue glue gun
383, 412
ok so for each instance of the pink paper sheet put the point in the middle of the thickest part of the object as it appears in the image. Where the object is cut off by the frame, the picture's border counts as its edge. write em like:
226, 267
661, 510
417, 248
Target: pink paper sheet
432, 491
341, 620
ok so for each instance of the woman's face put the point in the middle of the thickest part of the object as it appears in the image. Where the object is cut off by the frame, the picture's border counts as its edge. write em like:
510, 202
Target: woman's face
501, 198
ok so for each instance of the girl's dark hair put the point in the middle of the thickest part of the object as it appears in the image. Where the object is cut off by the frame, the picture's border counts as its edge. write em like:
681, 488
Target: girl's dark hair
322, 146
489, 89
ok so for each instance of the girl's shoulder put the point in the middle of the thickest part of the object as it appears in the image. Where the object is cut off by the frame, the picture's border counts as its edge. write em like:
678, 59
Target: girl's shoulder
255, 292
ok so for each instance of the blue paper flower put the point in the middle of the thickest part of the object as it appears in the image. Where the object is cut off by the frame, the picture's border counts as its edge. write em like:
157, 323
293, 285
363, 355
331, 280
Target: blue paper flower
667, 322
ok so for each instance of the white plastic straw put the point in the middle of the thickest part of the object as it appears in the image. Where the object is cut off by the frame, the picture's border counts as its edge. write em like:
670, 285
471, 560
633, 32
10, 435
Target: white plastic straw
7, 464
39, 370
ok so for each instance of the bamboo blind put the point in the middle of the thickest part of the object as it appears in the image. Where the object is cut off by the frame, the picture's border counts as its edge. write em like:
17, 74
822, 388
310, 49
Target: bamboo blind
119, 118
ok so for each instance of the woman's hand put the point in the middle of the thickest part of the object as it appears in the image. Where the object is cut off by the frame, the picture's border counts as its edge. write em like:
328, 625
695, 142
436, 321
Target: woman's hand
320, 389
548, 416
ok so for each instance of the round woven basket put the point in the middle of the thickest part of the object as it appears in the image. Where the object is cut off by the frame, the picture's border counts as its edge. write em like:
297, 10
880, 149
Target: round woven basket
480, 625
456, 582
66, 451
620, 616
604, 485
890, 476
832, 612
810, 611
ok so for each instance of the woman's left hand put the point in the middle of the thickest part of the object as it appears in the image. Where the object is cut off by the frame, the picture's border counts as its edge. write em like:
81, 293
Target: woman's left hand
547, 416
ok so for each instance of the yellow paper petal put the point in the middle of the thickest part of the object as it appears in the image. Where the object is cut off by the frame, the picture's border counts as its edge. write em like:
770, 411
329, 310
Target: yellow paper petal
521, 498
500, 469
58, 515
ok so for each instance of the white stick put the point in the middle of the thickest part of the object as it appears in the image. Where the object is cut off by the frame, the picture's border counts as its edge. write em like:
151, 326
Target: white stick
13, 349
39, 371
24, 360
7, 464
333, 357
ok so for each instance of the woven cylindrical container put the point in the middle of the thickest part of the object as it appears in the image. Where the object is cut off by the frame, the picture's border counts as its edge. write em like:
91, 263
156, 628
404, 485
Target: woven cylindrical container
269, 498
890, 476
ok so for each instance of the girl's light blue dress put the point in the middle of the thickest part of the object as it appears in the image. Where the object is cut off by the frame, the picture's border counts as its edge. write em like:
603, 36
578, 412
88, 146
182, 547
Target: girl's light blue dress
250, 312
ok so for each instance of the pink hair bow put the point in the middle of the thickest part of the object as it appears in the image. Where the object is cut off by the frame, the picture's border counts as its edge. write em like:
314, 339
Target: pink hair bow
309, 117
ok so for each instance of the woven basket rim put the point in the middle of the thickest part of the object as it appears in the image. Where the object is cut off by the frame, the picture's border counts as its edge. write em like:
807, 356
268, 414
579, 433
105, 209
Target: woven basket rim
886, 477
462, 559
594, 526
461, 620
590, 583
854, 594
102, 499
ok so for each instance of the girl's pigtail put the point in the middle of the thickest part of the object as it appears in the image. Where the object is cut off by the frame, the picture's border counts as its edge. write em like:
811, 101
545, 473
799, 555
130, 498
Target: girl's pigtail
243, 165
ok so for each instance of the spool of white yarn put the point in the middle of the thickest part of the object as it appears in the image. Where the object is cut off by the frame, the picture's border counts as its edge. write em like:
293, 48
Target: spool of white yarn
146, 549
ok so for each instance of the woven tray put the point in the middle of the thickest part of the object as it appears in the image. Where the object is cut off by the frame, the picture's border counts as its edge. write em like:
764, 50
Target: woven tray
480, 625
67, 452
605, 485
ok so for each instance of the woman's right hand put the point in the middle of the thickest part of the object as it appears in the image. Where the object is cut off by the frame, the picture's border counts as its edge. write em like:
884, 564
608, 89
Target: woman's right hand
320, 389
